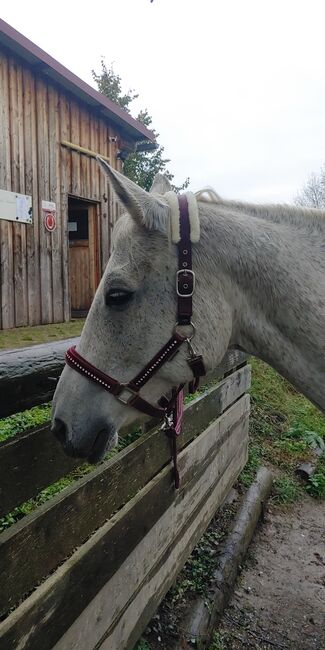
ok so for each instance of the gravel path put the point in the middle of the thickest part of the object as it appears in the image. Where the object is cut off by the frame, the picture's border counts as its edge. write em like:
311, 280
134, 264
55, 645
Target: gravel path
279, 601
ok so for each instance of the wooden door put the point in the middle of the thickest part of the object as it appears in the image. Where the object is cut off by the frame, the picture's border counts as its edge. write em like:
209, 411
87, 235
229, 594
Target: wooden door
83, 255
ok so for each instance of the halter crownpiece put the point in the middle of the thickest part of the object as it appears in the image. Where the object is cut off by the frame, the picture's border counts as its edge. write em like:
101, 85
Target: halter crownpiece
175, 216
185, 230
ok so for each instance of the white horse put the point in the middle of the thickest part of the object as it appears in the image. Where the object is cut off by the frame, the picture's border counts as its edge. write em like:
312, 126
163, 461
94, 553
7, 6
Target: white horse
260, 287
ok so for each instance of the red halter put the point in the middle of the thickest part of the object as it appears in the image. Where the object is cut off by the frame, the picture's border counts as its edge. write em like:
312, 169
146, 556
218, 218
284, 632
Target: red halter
128, 393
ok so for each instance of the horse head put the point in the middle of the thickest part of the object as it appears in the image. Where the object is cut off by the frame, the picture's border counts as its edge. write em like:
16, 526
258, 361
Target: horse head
132, 315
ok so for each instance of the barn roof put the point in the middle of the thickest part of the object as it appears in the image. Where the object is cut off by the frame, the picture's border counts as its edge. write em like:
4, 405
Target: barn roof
46, 65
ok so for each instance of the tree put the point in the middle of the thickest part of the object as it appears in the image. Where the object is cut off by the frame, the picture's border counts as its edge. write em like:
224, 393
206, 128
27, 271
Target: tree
140, 166
312, 194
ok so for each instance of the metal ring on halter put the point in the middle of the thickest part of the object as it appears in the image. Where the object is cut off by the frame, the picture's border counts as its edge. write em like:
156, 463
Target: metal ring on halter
190, 337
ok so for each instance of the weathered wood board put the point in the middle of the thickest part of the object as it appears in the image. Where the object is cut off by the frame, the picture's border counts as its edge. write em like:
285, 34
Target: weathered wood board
208, 467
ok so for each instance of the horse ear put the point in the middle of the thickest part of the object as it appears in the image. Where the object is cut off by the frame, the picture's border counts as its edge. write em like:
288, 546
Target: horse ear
160, 184
145, 208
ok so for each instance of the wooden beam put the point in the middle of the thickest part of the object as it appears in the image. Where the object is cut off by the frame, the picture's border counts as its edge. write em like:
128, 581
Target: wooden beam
83, 150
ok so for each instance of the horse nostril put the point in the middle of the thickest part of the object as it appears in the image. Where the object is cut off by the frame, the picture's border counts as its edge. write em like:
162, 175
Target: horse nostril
60, 431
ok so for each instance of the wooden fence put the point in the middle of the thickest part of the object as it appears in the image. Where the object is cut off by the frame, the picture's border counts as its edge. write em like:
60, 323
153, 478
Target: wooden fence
88, 568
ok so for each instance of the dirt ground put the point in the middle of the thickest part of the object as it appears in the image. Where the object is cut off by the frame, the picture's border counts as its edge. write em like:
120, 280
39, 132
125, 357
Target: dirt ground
279, 601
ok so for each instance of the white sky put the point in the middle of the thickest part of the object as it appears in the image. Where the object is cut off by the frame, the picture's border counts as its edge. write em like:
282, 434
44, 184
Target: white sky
236, 88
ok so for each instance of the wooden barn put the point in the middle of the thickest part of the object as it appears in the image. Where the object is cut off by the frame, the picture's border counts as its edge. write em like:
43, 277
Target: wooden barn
56, 213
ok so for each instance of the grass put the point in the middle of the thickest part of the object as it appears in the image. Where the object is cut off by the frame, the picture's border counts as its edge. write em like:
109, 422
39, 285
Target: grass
21, 337
284, 429
217, 642
21, 422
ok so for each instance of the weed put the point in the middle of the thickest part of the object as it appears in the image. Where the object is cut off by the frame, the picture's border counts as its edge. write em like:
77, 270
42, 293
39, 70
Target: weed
316, 484
286, 489
142, 645
217, 642
20, 422
284, 430
255, 457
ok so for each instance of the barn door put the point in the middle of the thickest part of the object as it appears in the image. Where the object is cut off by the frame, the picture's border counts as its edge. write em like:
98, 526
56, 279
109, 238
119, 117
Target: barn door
83, 255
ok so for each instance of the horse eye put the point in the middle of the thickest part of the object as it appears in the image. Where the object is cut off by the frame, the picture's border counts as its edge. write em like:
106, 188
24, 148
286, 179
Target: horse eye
117, 297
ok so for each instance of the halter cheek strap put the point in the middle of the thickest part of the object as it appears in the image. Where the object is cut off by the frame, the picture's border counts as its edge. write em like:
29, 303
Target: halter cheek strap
128, 393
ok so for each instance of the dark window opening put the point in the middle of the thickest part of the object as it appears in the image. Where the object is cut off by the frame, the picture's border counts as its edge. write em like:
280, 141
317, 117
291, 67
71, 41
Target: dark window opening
78, 225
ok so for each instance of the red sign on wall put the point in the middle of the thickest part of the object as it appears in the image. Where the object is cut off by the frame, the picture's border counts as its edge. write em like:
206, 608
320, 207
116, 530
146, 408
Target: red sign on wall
50, 221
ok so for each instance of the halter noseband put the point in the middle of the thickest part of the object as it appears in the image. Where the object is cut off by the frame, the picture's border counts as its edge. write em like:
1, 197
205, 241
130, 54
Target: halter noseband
128, 394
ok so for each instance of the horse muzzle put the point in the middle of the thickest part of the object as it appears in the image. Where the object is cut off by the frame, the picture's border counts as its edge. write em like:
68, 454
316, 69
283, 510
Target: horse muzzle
93, 450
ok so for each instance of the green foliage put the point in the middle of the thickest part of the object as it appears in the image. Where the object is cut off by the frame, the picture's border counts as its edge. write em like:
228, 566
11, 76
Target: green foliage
18, 423
316, 484
142, 645
287, 489
217, 642
255, 457
195, 576
284, 430
140, 166
110, 84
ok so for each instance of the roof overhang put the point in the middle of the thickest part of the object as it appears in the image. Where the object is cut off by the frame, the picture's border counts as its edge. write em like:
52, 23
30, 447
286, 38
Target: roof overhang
43, 63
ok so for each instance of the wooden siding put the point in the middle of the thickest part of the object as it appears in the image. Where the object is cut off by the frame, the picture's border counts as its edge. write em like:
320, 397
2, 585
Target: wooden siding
35, 116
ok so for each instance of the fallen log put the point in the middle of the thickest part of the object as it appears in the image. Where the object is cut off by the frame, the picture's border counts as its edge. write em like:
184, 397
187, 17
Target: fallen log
28, 376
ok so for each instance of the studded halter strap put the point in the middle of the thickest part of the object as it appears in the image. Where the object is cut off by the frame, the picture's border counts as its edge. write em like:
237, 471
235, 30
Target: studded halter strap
128, 393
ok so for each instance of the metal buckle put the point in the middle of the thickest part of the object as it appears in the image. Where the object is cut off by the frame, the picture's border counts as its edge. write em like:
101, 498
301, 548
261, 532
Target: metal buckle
188, 337
185, 272
126, 400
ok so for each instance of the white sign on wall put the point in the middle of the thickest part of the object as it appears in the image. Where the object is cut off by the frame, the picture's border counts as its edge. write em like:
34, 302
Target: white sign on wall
15, 207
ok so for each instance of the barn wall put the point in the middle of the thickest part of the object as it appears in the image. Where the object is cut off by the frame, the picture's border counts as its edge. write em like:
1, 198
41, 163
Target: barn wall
35, 116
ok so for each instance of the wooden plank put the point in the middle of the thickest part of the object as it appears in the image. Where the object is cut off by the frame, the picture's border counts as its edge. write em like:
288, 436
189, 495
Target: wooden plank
105, 196
75, 156
43, 148
65, 187
105, 490
20, 262
94, 275
7, 261
79, 273
94, 167
28, 465
85, 189
55, 195
49, 611
31, 187
5, 183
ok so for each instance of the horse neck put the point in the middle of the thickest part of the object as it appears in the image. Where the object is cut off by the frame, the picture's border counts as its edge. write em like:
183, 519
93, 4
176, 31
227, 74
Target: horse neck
272, 271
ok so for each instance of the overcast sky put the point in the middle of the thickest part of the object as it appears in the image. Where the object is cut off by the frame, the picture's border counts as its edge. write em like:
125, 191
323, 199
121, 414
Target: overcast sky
236, 88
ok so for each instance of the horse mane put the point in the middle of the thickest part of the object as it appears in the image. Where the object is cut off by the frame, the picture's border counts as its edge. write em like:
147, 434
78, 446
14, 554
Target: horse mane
278, 213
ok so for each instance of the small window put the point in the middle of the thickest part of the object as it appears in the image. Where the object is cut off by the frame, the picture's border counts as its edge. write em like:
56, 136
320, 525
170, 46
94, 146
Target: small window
78, 224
